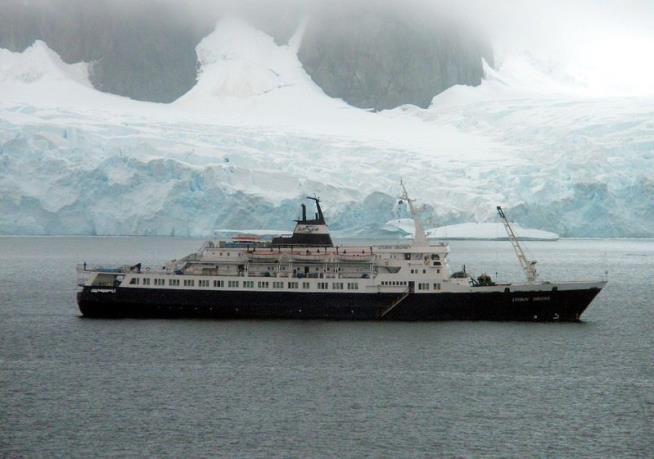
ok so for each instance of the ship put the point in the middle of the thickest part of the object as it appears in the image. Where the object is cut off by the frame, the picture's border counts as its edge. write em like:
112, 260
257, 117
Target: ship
304, 275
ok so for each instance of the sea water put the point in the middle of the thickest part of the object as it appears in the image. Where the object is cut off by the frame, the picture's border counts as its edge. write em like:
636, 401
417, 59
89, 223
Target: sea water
75, 387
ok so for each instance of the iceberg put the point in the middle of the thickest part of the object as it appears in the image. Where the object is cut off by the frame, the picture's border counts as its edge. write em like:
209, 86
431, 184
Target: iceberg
492, 231
489, 231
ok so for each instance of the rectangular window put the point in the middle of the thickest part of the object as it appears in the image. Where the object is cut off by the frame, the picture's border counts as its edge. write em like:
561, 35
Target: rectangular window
248, 284
189, 282
352, 286
146, 281
305, 285
173, 282
437, 286
262, 284
134, 281
323, 285
278, 285
293, 285
337, 285
218, 283
232, 283
203, 283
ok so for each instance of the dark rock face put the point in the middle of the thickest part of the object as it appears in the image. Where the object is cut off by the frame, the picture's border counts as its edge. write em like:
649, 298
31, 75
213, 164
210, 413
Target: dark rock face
139, 52
385, 57
369, 55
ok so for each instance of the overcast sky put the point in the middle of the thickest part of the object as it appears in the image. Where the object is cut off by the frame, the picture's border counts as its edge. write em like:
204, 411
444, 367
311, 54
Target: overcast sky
607, 43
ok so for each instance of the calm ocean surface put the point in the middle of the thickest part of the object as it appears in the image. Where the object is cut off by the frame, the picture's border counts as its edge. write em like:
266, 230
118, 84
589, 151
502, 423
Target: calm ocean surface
73, 387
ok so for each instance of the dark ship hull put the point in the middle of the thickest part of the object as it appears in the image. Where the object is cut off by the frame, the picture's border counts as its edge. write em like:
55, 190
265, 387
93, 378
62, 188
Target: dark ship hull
561, 305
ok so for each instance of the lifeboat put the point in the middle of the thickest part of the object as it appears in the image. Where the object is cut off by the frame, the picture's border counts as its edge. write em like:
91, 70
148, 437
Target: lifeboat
264, 257
311, 256
356, 257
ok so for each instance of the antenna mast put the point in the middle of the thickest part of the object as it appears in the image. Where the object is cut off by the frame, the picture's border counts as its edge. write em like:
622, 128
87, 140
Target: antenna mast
529, 267
419, 238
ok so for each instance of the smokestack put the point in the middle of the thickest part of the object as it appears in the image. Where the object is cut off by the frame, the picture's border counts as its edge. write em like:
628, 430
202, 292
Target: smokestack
304, 213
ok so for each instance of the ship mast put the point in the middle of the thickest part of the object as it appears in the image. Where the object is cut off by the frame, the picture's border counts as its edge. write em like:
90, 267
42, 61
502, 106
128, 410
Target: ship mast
419, 238
528, 266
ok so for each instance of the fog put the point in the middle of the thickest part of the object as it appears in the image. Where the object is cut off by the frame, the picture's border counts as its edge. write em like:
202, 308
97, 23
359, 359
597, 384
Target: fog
604, 44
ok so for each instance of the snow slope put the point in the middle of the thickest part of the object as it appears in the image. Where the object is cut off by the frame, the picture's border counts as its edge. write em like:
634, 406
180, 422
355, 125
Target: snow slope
256, 133
39, 63
243, 72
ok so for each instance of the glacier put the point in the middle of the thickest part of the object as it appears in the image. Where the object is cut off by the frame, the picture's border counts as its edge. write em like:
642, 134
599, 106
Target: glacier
256, 134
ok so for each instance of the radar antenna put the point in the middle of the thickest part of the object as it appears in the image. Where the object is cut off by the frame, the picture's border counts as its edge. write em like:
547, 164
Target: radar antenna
419, 238
528, 266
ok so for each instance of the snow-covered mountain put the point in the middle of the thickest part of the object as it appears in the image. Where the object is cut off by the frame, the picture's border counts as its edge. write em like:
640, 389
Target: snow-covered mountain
256, 133
371, 54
